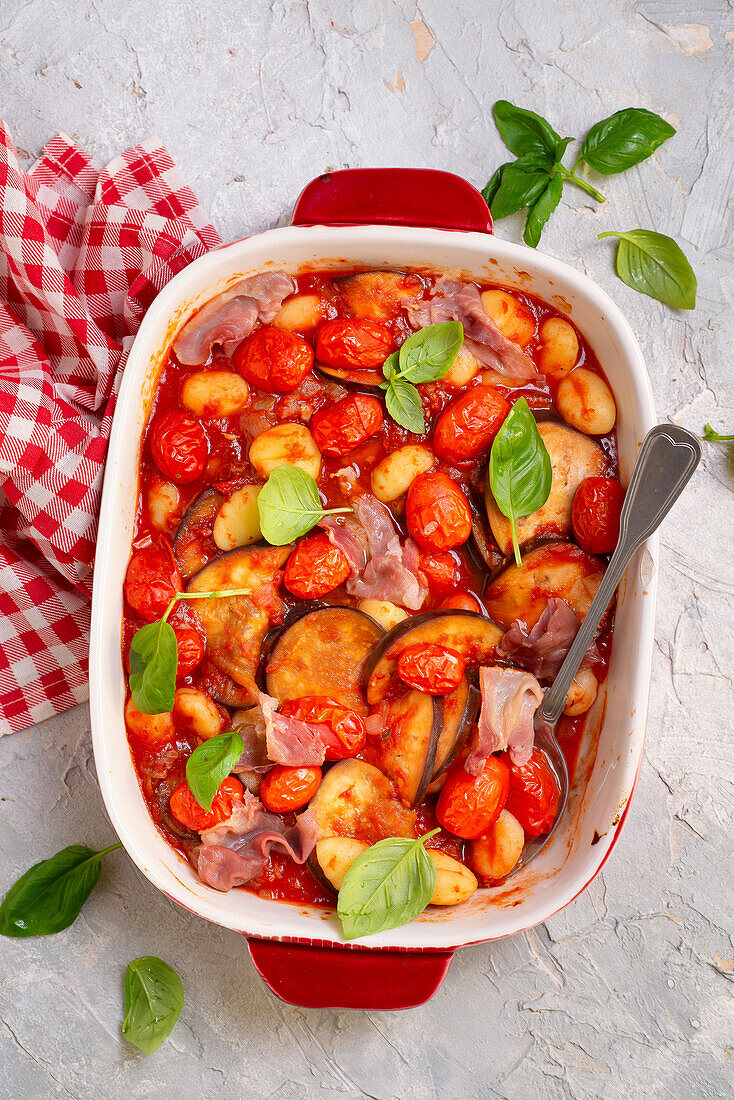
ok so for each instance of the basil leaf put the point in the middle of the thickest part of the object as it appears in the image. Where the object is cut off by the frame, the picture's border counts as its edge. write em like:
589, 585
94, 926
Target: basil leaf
525, 132
653, 264
428, 354
492, 187
715, 437
154, 998
210, 763
388, 885
623, 140
288, 505
541, 210
520, 472
153, 661
50, 895
390, 367
403, 403
522, 183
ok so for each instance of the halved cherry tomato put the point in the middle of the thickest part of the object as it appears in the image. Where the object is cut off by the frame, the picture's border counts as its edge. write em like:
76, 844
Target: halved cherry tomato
437, 512
151, 581
432, 669
441, 569
465, 429
179, 446
187, 810
190, 650
284, 789
343, 735
315, 567
353, 344
461, 603
534, 793
469, 804
597, 507
347, 424
273, 359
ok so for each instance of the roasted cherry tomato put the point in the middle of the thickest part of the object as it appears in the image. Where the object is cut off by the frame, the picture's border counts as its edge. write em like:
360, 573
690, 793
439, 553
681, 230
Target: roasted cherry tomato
534, 793
441, 569
187, 810
190, 650
469, 804
343, 735
179, 446
597, 507
151, 581
461, 603
284, 789
345, 344
273, 359
347, 424
315, 567
465, 429
437, 512
432, 669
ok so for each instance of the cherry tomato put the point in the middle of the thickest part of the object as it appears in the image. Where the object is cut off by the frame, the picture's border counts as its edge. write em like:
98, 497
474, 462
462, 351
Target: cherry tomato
179, 446
273, 359
187, 810
353, 344
347, 424
595, 514
469, 804
461, 603
437, 512
151, 581
534, 793
315, 567
441, 569
284, 789
432, 669
346, 733
466, 428
190, 650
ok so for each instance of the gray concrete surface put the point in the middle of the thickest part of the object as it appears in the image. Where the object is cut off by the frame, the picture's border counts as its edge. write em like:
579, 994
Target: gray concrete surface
628, 992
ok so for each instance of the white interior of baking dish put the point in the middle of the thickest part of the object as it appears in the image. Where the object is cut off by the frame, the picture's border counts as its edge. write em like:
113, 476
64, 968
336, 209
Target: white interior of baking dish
583, 839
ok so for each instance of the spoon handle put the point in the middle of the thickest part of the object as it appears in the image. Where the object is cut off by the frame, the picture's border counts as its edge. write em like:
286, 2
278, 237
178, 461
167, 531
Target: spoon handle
665, 464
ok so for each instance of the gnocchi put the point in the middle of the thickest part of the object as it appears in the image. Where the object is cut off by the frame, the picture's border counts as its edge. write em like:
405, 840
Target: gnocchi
336, 854
585, 401
150, 727
198, 713
214, 393
464, 367
511, 316
286, 445
238, 521
582, 693
386, 614
454, 881
496, 853
300, 314
394, 475
559, 348
164, 501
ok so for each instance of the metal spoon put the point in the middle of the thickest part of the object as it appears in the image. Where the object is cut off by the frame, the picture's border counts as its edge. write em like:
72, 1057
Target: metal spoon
666, 462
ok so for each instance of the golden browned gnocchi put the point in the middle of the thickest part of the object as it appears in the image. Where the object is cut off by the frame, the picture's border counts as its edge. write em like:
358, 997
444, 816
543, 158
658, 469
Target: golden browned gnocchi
394, 474
559, 348
286, 445
149, 727
213, 393
454, 881
511, 316
198, 713
464, 367
336, 854
237, 522
164, 502
496, 853
383, 612
585, 401
582, 693
301, 313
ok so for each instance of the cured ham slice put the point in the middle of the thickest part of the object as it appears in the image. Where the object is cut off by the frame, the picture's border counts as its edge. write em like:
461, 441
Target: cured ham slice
510, 698
290, 741
543, 649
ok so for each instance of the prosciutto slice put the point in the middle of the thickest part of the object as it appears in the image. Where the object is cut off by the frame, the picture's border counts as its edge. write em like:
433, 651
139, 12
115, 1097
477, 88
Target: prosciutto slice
231, 316
510, 698
289, 741
543, 649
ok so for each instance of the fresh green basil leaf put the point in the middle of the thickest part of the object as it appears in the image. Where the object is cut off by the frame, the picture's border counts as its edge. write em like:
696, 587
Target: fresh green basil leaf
541, 210
210, 763
520, 472
491, 189
288, 505
521, 185
403, 404
715, 437
50, 895
623, 140
154, 998
653, 264
390, 367
561, 145
153, 660
388, 885
525, 132
429, 353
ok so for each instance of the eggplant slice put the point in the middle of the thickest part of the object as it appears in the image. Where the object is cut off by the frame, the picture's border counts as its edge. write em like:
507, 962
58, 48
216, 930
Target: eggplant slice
362, 379
194, 545
355, 799
460, 710
323, 653
406, 751
222, 687
554, 569
469, 633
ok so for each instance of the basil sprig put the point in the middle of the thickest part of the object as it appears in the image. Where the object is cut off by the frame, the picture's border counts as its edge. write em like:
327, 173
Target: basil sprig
289, 505
50, 895
388, 885
210, 763
425, 356
715, 437
154, 998
520, 472
624, 139
653, 264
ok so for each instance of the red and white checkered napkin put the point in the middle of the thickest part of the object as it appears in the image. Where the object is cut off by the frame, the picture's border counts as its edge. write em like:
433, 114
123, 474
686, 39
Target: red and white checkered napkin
83, 252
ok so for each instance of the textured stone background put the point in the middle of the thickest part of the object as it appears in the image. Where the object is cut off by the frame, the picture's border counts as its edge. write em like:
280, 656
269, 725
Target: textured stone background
628, 992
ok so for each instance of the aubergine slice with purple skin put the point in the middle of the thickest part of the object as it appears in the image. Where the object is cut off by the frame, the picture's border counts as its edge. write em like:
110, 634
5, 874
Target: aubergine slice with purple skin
194, 546
472, 635
361, 379
222, 688
406, 751
460, 710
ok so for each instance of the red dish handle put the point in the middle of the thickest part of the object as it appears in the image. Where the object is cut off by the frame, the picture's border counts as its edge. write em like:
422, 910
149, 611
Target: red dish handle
336, 977
393, 196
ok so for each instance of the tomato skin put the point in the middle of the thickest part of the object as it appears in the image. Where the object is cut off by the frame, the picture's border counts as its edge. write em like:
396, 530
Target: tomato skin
344, 426
347, 735
187, 810
432, 669
151, 581
595, 514
274, 359
284, 789
179, 446
466, 428
533, 795
315, 567
469, 804
437, 512
461, 603
441, 569
190, 650
345, 344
